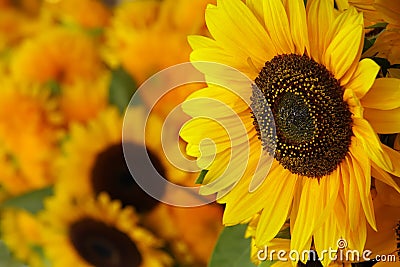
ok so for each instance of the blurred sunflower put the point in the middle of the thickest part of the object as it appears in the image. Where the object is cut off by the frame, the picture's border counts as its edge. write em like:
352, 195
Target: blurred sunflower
83, 100
29, 134
385, 241
145, 39
390, 12
21, 232
326, 106
97, 232
53, 54
367, 7
13, 27
93, 157
90, 14
100, 167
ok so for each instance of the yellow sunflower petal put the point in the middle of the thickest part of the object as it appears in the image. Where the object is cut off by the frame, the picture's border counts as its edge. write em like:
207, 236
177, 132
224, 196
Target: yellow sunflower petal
383, 121
242, 204
395, 158
236, 35
356, 238
209, 96
277, 24
320, 17
198, 41
383, 176
279, 198
362, 173
326, 237
363, 77
313, 205
342, 51
256, 6
384, 94
298, 25
364, 132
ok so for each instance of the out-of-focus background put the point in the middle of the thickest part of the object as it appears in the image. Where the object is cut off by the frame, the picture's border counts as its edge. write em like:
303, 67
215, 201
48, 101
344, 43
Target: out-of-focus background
67, 71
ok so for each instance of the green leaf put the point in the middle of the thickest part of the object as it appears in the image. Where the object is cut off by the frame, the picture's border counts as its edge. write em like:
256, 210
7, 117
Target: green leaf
6, 259
285, 233
55, 88
232, 249
367, 44
122, 87
31, 201
377, 25
267, 263
201, 177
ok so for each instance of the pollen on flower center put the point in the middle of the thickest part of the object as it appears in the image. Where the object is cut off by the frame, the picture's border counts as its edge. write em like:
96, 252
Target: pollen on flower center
298, 106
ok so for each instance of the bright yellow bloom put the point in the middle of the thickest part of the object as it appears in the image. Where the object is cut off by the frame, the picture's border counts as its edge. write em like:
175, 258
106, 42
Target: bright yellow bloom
22, 233
29, 133
97, 232
57, 54
327, 107
148, 36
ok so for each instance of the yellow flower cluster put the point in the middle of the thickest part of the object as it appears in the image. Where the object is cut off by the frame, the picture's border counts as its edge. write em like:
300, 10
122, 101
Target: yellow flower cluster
66, 195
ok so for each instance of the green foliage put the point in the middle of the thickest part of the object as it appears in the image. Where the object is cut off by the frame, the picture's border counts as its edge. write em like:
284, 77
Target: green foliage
285, 233
378, 25
232, 249
55, 88
201, 177
122, 87
6, 258
266, 263
368, 43
384, 64
31, 201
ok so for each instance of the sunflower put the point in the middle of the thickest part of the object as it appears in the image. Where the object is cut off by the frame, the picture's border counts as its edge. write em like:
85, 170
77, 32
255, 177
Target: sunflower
29, 134
306, 78
385, 241
93, 157
367, 7
83, 100
148, 36
52, 55
99, 166
97, 232
390, 10
90, 14
21, 232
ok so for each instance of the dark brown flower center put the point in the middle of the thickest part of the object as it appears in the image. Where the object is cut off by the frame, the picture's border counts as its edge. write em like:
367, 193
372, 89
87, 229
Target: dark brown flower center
110, 174
102, 245
300, 115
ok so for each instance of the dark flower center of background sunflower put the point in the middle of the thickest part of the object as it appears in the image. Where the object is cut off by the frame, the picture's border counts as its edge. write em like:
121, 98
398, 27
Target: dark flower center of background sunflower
102, 245
110, 174
313, 125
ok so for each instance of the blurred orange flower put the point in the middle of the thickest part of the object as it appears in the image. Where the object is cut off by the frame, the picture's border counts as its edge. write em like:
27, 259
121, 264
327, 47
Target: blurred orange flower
59, 54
